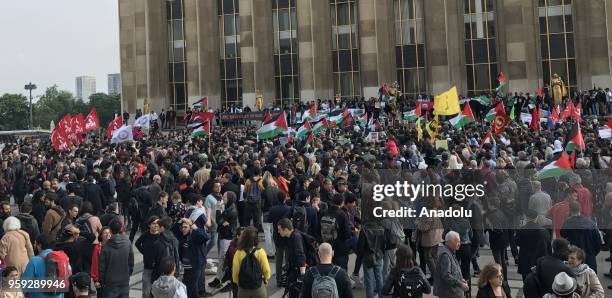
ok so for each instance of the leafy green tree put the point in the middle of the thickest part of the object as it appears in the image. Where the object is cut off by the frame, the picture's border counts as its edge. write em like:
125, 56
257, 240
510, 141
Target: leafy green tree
52, 106
14, 112
106, 106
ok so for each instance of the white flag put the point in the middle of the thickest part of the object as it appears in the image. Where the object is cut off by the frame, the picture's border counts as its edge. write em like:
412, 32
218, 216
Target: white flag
122, 134
143, 121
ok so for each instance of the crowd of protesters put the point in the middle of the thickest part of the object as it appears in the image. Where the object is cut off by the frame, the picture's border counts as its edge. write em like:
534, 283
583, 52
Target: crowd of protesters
192, 209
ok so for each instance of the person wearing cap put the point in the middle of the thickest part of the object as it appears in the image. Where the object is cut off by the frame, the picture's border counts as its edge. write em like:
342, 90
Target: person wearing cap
80, 284
564, 286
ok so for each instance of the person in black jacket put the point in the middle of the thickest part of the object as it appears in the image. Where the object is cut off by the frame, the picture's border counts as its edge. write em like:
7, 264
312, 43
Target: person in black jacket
227, 224
192, 253
151, 248
491, 283
159, 208
116, 263
296, 258
279, 211
28, 222
93, 194
404, 267
548, 267
582, 232
533, 241
72, 198
342, 243
326, 268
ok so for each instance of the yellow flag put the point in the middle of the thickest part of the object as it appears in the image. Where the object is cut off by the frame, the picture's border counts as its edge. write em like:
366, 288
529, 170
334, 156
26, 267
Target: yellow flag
447, 103
433, 127
419, 130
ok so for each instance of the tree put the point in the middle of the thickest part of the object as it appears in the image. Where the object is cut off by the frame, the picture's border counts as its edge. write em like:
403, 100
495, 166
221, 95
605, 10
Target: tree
53, 105
14, 112
106, 106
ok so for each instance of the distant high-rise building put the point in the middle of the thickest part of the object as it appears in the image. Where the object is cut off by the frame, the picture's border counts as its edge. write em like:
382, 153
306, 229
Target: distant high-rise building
85, 86
114, 83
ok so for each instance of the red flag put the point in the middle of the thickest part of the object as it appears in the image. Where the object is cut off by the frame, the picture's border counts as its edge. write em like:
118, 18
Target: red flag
114, 124
92, 122
202, 116
501, 120
610, 122
347, 121
78, 124
554, 115
572, 159
486, 139
540, 91
267, 118
572, 111
535, 119
501, 78
59, 140
66, 124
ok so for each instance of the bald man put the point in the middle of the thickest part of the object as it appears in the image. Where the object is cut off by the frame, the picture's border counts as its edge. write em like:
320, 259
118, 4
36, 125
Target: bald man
326, 268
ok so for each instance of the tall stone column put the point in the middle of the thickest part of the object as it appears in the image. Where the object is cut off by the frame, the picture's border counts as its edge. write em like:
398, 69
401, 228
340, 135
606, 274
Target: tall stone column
377, 45
591, 32
203, 38
444, 45
257, 50
315, 57
517, 37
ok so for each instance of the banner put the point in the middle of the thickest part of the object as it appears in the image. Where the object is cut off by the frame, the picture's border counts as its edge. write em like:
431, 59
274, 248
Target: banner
250, 116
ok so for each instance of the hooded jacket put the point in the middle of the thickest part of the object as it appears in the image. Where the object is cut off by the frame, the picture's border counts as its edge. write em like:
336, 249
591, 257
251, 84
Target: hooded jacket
116, 262
30, 225
168, 287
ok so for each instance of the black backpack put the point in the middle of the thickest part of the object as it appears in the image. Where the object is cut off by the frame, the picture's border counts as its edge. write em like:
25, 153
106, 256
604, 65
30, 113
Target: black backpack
250, 276
409, 284
254, 191
311, 250
299, 218
84, 226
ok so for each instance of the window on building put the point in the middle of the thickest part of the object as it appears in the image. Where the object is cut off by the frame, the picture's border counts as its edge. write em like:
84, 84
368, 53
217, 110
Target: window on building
410, 46
557, 41
177, 72
286, 71
480, 46
345, 48
229, 32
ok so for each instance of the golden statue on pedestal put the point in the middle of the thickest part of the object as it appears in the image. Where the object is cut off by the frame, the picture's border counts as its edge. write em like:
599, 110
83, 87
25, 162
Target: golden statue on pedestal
559, 90
259, 101
145, 107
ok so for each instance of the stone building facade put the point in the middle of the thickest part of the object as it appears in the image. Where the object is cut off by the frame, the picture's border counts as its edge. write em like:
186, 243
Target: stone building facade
173, 52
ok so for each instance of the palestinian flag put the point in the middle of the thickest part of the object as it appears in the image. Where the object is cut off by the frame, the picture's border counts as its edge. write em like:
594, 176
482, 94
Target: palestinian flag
201, 131
575, 139
267, 118
310, 138
486, 139
490, 116
320, 126
274, 128
337, 119
310, 113
384, 93
483, 100
464, 118
555, 169
363, 120
304, 130
202, 102
413, 115
503, 82
374, 124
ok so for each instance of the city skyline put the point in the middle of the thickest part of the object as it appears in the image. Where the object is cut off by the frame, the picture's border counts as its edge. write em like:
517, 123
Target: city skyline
49, 48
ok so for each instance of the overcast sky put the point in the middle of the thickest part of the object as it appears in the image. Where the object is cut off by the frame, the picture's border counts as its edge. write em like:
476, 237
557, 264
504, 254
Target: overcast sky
53, 41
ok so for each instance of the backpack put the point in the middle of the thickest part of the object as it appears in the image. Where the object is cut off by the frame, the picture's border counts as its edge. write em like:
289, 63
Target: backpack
311, 250
254, 192
250, 276
329, 228
409, 284
84, 226
57, 266
324, 286
299, 219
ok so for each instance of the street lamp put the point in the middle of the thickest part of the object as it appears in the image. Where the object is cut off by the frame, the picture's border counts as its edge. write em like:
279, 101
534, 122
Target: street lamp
30, 87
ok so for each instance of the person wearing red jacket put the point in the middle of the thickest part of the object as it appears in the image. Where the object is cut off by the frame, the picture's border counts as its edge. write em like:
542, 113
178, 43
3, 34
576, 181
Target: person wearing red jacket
103, 237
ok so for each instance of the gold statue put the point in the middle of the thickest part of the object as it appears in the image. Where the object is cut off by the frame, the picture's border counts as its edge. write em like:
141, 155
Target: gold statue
145, 109
559, 90
259, 101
